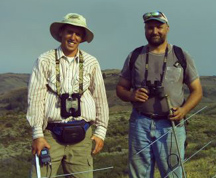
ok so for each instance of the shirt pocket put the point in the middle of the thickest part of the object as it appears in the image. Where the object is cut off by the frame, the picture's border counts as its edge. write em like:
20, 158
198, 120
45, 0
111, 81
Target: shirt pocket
173, 74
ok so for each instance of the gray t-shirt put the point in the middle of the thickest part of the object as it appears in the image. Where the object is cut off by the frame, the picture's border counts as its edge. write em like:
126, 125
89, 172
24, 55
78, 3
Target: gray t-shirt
172, 81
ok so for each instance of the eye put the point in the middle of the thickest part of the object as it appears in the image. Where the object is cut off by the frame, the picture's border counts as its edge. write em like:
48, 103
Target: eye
160, 27
150, 28
78, 34
71, 32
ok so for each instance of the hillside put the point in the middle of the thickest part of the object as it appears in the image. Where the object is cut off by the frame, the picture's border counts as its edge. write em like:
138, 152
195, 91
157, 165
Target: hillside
10, 81
13, 90
15, 135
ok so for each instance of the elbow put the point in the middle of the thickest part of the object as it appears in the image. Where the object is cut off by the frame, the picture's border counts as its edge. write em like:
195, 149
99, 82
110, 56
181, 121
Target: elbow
122, 93
201, 94
200, 91
118, 91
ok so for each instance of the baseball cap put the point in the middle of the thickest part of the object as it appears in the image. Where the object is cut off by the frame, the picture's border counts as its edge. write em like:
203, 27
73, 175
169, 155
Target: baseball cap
157, 15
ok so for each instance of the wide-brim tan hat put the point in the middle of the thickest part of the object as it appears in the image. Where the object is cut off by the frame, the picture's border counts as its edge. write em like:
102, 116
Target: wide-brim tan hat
75, 20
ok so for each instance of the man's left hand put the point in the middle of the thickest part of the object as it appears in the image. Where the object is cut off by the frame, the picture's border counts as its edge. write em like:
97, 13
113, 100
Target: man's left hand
99, 143
178, 114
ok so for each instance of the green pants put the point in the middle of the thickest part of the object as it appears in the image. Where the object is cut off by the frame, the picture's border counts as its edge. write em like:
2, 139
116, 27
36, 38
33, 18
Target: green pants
73, 158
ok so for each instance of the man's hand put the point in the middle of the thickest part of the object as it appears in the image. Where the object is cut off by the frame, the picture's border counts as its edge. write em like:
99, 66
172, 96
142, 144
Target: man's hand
192, 100
99, 143
123, 91
38, 144
178, 114
140, 95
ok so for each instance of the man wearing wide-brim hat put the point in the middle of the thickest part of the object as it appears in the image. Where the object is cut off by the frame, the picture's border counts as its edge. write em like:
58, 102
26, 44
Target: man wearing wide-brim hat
66, 96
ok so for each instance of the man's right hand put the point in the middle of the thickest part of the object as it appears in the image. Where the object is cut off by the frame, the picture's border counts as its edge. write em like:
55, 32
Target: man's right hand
140, 95
38, 144
123, 91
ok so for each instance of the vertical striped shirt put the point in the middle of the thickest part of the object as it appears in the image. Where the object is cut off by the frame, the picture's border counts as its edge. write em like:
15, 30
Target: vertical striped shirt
43, 105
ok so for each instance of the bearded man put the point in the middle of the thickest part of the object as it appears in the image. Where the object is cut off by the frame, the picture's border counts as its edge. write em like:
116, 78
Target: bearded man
146, 81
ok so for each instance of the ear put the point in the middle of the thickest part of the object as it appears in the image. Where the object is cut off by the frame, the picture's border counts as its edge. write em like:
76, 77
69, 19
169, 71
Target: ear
168, 28
60, 33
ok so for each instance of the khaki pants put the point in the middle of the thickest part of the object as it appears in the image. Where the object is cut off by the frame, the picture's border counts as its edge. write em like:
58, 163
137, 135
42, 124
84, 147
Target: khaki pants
73, 158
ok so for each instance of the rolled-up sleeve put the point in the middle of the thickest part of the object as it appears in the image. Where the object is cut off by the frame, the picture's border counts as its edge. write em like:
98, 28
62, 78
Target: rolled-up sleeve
36, 98
98, 91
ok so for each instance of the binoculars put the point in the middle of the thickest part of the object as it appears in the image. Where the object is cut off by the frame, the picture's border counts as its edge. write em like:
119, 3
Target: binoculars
155, 89
70, 105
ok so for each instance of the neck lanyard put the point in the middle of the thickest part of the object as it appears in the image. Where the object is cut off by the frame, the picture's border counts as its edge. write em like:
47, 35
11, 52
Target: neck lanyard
163, 67
58, 85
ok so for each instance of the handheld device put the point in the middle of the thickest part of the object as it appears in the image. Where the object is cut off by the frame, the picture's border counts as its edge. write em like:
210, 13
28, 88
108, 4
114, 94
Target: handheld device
44, 157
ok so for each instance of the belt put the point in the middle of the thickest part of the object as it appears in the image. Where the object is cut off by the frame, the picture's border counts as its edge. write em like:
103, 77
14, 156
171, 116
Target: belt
52, 125
153, 116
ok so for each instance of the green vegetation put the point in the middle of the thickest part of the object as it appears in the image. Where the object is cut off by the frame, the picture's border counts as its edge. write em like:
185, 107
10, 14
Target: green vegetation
15, 135
15, 147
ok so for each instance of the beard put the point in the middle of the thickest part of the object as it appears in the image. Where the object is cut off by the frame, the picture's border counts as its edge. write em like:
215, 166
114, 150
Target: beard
155, 40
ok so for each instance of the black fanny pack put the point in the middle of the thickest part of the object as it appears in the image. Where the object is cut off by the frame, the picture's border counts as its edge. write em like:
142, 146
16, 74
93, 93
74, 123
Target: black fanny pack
71, 132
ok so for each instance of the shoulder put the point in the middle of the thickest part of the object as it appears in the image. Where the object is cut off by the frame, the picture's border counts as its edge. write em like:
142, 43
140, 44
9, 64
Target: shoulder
47, 56
138, 50
188, 57
183, 55
89, 59
185, 52
45, 59
191, 72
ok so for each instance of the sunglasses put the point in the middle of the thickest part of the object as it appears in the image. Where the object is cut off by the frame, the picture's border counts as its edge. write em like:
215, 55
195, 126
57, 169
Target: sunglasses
148, 15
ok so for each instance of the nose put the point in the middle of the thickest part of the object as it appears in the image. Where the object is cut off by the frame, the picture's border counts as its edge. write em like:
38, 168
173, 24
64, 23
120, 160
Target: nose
155, 30
73, 35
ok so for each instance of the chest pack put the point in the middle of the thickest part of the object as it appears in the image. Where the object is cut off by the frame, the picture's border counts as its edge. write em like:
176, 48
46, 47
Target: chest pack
177, 51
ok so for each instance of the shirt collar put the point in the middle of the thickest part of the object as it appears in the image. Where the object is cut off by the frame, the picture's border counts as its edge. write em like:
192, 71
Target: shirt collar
60, 54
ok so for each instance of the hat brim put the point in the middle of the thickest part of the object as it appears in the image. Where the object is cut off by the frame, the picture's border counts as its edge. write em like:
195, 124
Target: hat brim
55, 27
160, 20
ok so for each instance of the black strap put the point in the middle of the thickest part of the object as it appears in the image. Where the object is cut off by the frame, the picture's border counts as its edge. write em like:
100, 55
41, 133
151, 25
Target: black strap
134, 56
177, 50
181, 58
58, 85
163, 67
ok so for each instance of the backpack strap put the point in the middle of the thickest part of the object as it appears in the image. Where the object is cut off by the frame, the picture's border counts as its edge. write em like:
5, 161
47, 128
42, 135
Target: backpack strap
58, 85
177, 50
134, 57
181, 58
132, 61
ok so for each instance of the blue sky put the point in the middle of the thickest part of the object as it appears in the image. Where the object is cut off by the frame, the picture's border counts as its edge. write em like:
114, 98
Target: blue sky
117, 25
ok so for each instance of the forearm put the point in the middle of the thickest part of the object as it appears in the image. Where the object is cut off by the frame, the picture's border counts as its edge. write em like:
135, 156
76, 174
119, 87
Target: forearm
192, 100
123, 93
36, 97
35, 119
98, 92
102, 116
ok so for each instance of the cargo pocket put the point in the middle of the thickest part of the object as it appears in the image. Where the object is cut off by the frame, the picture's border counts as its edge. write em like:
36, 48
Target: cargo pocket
90, 161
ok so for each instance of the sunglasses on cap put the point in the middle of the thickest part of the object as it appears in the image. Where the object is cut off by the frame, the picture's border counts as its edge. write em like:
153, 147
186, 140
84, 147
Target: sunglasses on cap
148, 15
